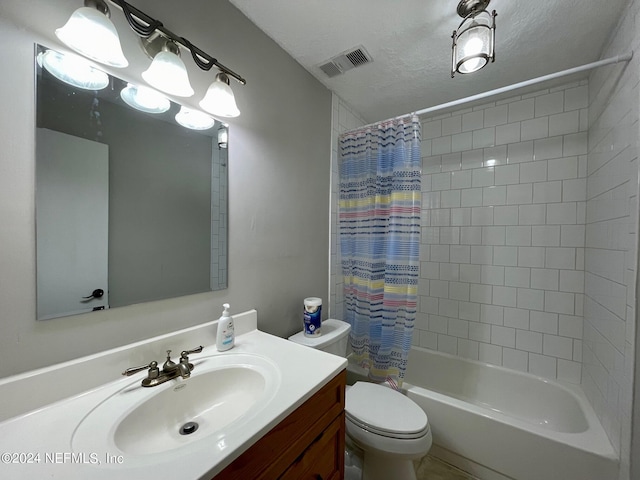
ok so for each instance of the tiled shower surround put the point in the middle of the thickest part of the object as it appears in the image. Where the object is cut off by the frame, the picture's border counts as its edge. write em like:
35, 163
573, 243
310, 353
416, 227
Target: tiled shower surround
502, 254
529, 245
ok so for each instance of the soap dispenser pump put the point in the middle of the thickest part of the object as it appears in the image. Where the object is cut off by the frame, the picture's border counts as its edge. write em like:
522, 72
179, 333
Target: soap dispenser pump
225, 338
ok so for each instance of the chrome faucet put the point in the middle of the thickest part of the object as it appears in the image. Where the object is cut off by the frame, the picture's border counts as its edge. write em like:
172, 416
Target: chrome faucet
170, 369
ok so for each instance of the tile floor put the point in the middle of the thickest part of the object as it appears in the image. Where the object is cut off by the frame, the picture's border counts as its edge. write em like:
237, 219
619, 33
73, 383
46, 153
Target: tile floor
430, 468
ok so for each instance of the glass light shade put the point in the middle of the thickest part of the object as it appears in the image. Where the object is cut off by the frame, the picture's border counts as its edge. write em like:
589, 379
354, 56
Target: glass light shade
168, 74
194, 119
474, 48
73, 70
144, 99
93, 35
219, 100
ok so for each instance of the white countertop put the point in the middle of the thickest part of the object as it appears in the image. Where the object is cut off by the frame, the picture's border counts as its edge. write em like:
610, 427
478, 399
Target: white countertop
37, 444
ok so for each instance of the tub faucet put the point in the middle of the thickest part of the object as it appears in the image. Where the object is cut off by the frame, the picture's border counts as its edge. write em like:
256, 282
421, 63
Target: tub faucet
170, 369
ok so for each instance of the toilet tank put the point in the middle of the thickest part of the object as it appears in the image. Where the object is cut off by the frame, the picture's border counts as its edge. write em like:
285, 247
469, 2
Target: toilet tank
334, 338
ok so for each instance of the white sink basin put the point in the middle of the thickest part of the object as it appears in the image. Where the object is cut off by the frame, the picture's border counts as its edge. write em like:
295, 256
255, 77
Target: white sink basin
224, 393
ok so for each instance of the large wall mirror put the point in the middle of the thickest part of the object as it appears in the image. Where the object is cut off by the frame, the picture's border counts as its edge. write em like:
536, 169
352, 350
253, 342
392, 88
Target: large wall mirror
131, 206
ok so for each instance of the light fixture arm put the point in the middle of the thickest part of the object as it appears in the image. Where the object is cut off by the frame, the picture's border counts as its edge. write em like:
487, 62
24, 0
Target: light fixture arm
145, 26
99, 5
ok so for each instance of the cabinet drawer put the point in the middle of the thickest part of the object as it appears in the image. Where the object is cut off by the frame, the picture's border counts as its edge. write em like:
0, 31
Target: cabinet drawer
324, 458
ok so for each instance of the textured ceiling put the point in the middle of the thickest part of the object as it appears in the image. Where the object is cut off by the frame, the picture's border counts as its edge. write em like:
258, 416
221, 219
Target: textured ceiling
410, 43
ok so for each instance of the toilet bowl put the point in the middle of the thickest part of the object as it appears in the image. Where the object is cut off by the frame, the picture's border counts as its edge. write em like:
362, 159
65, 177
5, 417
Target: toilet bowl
389, 428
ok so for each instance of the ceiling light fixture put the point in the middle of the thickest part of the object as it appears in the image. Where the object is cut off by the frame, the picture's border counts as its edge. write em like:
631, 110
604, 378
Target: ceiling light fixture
474, 41
161, 44
73, 70
90, 33
144, 99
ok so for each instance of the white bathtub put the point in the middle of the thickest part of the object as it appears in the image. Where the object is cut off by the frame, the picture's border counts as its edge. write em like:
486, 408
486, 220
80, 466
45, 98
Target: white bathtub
509, 424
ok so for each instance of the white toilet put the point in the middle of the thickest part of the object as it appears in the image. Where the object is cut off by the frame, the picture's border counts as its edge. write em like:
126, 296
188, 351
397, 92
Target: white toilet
386, 425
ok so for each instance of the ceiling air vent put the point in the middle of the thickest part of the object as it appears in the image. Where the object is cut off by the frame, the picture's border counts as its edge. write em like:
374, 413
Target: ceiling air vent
352, 58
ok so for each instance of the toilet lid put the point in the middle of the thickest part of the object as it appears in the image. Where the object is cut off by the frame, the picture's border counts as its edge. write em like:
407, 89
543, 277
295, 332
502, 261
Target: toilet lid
384, 411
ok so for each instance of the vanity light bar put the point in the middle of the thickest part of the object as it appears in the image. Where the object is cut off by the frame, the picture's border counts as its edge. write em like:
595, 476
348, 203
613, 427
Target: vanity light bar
150, 29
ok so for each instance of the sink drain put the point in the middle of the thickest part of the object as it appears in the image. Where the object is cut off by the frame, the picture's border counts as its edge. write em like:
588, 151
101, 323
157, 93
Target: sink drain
188, 428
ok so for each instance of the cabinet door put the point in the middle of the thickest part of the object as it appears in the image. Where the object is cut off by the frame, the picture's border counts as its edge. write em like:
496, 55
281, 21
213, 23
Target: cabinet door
324, 458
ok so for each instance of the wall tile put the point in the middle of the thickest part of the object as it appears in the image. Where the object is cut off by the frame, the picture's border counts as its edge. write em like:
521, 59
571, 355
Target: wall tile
534, 129
484, 138
473, 121
533, 172
533, 214
543, 322
504, 213
563, 168
547, 148
576, 98
515, 359
529, 341
520, 236
549, 104
509, 133
520, 152
503, 336
544, 278
461, 141
519, 194
495, 116
507, 174
517, 277
451, 125
521, 110
516, 318
461, 179
547, 192
542, 365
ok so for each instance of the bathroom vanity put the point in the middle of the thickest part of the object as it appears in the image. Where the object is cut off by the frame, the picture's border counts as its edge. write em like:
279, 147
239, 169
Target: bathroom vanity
309, 443
268, 408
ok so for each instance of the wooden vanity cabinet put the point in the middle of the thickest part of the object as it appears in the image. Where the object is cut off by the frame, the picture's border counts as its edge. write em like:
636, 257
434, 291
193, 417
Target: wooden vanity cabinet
307, 445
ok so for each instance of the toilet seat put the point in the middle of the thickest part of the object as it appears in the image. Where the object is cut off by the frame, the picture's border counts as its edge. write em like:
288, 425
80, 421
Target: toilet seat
385, 412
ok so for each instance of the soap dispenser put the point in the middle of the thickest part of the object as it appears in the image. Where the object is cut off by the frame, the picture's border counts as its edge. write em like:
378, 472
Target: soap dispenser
225, 338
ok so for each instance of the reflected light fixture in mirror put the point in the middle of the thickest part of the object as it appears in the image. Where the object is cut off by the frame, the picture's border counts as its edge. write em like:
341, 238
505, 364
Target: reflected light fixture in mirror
90, 33
223, 136
73, 70
219, 99
168, 72
144, 99
194, 119
474, 41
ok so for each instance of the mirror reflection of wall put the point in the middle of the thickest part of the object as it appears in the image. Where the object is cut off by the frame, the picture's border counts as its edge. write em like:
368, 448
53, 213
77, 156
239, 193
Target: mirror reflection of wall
155, 204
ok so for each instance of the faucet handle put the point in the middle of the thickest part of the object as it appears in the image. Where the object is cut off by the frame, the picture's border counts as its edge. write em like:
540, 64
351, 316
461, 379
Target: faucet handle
133, 370
189, 352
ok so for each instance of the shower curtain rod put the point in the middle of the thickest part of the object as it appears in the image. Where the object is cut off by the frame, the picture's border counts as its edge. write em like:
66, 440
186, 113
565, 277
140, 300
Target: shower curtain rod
589, 66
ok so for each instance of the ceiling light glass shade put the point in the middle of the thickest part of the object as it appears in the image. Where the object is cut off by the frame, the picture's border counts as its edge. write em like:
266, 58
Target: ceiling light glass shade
144, 99
194, 119
73, 70
219, 99
93, 35
474, 43
168, 74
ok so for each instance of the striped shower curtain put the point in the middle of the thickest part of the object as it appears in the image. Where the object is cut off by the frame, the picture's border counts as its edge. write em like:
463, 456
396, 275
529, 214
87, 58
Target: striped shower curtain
380, 171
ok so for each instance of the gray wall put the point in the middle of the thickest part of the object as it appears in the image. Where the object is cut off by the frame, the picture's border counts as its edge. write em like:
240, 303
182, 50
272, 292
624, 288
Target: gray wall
278, 190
